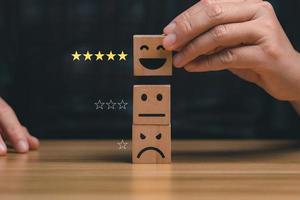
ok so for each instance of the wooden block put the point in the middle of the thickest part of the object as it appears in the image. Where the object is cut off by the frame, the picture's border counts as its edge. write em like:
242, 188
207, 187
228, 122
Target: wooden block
151, 104
151, 144
150, 57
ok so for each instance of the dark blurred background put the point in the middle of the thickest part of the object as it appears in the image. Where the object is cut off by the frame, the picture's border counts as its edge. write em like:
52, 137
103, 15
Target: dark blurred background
54, 96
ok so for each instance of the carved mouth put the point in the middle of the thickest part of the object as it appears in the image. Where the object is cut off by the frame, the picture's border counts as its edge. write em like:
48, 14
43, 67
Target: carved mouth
149, 149
152, 115
152, 63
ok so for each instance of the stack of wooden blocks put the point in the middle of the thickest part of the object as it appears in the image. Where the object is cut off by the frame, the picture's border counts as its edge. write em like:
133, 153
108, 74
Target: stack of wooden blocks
151, 130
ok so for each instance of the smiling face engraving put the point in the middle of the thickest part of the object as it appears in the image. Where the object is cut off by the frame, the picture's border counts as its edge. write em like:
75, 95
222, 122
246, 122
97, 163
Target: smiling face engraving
152, 63
150, 57
151, 144
151, 104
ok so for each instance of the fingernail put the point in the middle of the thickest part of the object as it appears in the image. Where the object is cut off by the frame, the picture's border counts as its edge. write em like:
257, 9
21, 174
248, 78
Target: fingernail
22, 146
177, 60
170, 40
36, 143
170, 28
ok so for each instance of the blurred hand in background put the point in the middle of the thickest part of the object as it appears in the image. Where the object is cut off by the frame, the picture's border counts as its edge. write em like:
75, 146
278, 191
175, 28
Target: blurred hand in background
13, 132
242, 36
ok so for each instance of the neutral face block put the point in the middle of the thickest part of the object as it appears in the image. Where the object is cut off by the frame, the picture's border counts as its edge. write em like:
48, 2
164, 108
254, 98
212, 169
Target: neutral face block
150, 57
151, 104
151, 144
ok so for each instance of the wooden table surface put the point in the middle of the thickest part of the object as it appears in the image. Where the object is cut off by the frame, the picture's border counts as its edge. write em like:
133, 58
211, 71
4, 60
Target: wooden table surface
203, 169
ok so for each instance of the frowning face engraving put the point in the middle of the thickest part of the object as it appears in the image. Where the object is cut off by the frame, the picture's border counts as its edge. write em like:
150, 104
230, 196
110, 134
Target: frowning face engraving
150, 148
151, 144
151, 104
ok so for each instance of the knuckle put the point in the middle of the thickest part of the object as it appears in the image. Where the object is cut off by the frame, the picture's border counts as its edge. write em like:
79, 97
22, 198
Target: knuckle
253, 1
227, 57
213, 11
218, 33
207, 2
186, 26
272, 51
266, 5
13, 132
185, 15
269, 24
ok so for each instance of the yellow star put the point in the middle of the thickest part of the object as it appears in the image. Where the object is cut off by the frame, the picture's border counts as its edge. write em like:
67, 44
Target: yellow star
88, 56
76, 56
99, 56
111, 56
122, 56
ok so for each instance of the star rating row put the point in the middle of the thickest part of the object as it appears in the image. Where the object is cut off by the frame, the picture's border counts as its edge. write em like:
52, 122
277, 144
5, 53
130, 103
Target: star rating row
111, 105
99, 56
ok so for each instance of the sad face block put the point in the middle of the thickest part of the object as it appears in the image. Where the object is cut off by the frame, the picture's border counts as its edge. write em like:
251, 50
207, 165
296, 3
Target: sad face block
151, 144
151, 104
150, 57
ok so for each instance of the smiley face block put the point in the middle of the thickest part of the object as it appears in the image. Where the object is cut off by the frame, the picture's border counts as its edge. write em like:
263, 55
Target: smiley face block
150, 57
151, 104
151, 144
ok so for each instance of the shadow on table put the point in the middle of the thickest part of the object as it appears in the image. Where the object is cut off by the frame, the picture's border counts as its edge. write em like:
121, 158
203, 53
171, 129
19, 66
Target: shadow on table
124, 158
202, 155
195, 154
257, 153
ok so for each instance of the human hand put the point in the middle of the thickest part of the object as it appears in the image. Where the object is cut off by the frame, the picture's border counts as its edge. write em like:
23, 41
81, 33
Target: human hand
242, 36
13, 132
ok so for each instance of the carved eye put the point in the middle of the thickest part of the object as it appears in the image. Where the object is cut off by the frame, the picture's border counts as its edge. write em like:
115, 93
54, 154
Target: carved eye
144, 97
160, 47
159, 97
158, 136
142, 136
144, 47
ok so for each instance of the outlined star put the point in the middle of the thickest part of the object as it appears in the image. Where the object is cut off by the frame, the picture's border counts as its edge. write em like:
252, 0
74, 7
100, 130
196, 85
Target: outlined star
88, 56
111, 56
122, 145
99, 56
122, 56
122, 105
99, 105
110, 105
76, 56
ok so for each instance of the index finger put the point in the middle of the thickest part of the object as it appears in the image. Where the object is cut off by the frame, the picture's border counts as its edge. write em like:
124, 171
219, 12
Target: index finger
195, 9
12, 128
205, 16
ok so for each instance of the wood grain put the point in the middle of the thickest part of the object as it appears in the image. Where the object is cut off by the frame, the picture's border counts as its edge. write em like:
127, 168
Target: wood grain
211, 170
